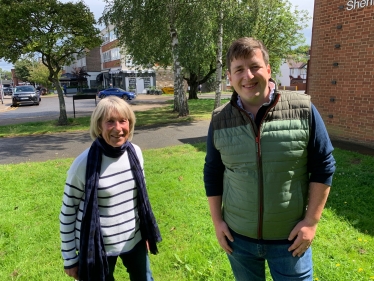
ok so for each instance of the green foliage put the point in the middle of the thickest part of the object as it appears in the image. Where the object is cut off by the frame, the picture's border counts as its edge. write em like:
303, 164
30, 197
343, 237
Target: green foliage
5, 75
300, 54
39, 74
144, 28
22, 68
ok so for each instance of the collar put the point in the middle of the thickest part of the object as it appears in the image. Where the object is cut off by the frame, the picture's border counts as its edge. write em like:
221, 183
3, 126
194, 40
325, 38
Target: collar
272, 88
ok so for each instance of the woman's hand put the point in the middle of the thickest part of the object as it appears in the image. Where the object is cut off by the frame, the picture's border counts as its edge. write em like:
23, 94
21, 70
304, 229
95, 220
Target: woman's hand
72, 272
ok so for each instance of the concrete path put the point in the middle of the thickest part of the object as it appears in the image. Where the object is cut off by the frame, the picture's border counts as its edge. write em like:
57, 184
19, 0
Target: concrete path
65, 145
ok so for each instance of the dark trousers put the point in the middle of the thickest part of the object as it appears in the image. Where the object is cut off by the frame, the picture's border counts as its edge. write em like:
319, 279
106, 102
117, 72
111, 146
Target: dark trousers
136, 262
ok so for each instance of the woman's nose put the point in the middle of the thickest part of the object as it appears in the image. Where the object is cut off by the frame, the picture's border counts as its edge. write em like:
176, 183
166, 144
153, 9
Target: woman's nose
117, 125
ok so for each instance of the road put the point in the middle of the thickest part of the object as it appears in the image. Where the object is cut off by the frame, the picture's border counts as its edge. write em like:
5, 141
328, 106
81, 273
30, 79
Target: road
49, 108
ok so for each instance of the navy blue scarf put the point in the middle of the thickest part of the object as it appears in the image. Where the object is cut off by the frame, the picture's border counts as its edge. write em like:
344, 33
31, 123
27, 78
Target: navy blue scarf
93, 265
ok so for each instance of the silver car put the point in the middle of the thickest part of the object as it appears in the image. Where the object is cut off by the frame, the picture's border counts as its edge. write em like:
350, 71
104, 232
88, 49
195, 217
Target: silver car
25, 95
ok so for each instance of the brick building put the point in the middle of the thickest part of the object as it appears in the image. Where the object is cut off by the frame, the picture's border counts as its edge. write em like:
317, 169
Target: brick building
341, 68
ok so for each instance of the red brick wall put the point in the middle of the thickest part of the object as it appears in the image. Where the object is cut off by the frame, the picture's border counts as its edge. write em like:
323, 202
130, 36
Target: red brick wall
93, 60
109, 46
112, 64
347, 106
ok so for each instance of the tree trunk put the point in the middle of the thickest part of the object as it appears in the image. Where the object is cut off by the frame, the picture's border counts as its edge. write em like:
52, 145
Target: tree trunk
180, 99
193, 83
62, 119
217, 101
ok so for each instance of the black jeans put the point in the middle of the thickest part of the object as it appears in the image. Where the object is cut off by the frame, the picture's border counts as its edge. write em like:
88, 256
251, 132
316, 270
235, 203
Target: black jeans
136, 262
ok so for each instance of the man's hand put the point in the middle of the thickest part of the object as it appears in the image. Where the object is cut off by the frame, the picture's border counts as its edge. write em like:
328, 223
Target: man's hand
72, 272
304, 234
222, 230
305, 230
223, 233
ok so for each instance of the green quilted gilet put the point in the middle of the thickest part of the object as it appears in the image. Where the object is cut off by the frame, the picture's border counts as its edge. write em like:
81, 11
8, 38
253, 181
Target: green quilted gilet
266, 183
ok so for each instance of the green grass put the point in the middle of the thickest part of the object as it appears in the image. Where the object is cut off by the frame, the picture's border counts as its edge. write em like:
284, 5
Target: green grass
30, 200
199, 110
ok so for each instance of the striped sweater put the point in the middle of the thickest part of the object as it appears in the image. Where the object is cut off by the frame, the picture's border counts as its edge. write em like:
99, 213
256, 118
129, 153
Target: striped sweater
117, 199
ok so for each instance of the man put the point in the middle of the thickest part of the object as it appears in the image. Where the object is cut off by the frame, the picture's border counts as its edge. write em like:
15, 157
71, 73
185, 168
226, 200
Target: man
267, 172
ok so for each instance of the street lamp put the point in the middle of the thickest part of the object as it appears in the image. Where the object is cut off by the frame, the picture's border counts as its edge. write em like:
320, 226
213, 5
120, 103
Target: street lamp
2, 91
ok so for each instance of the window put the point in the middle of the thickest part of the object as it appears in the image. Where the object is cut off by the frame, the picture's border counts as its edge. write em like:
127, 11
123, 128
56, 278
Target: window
105, 38
115, 54
112, 35
106, 56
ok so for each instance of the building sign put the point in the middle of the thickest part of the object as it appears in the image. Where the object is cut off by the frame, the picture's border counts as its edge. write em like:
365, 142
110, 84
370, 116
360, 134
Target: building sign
147, 82
358, 4
132, 83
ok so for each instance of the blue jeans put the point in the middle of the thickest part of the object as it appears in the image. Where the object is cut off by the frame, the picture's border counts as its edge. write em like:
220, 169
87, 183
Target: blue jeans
136, 262
248, 261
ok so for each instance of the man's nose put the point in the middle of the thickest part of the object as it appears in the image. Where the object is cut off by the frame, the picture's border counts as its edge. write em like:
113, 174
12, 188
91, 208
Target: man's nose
248, 73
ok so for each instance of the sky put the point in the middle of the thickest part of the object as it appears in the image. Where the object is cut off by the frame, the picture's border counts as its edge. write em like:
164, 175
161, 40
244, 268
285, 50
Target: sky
97, 7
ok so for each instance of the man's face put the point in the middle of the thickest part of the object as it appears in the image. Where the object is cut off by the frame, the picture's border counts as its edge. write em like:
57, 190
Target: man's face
250, 77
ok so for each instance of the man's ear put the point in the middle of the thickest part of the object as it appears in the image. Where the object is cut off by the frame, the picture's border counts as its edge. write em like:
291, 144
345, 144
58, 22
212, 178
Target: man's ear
268, 68
228, 74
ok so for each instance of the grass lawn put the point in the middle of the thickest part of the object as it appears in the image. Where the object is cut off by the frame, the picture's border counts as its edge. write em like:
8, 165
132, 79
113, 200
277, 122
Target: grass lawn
30, 205
30, 201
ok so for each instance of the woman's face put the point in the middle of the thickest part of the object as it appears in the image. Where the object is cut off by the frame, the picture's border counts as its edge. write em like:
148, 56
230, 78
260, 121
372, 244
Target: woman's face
115, 129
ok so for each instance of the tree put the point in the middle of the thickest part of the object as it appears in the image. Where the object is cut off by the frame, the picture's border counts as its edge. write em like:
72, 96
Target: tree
5, 74
56, 31
300, 53
39, 74
188, 34
22, 68
158, 32
81, 74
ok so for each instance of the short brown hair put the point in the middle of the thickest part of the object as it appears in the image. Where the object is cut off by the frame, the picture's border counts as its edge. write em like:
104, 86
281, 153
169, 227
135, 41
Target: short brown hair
103, 111
243, 48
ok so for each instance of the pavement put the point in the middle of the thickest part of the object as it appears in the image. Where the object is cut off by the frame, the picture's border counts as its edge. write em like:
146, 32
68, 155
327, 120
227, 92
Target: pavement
5, 105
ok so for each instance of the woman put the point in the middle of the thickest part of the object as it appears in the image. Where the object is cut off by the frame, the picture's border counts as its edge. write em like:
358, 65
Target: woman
106, 213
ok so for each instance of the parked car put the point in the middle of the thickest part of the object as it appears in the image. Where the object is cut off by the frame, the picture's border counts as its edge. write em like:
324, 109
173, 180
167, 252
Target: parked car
7, 91
116, 92
25, 95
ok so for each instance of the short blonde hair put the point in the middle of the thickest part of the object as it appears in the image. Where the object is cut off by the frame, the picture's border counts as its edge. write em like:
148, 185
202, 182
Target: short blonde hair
105, 108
